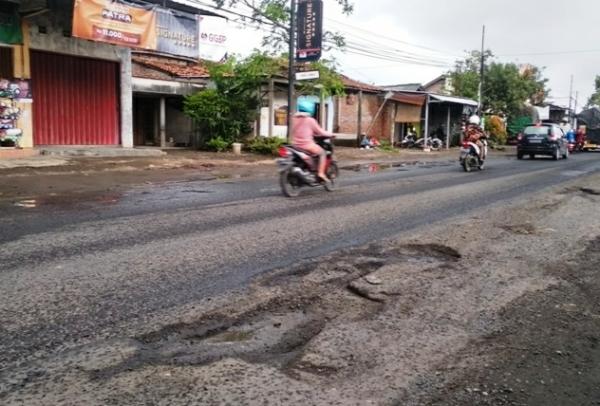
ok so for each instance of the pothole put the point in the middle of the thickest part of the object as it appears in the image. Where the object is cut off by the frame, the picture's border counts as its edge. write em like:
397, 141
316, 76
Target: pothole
521, 229
590, 191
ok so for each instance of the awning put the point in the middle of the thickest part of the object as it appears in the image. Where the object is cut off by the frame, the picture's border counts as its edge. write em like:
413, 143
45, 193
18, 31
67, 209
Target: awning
408, 113
409, 98
455, 100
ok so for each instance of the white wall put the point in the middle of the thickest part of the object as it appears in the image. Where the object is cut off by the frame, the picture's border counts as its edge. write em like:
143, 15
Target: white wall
280, 100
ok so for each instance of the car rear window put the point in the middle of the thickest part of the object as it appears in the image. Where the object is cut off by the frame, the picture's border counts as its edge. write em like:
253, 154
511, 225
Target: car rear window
537, 130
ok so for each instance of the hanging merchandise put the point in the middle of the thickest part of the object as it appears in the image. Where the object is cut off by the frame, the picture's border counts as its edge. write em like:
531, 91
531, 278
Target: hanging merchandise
9, 114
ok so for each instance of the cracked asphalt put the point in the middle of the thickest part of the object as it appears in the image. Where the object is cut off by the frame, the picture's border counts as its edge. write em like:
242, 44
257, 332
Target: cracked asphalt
87, 281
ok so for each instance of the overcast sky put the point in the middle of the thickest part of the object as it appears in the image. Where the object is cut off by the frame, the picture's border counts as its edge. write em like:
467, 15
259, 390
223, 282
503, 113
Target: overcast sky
516, 30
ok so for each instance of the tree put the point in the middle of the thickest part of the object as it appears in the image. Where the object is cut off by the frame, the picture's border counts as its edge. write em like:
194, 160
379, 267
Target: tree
507, 86
225, 111
274, 15
594, 100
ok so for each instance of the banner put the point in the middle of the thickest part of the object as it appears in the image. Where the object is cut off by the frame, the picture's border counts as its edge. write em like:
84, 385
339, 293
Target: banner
177, 33
115, 22
147, 27
214, 38
10, 25
309, 30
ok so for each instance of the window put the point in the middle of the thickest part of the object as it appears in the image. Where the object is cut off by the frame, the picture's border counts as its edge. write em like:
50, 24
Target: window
6, 63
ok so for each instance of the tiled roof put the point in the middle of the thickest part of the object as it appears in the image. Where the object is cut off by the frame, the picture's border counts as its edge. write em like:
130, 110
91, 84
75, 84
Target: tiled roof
355, 84
171, 66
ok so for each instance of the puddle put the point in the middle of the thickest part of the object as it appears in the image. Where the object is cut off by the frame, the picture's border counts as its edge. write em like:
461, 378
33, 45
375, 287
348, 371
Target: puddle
68, 201
27, 204
400, 166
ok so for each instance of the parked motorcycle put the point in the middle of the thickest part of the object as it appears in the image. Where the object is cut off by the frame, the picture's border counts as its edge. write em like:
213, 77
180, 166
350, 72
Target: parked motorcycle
298, 168
408, 141
472, 156
432, 142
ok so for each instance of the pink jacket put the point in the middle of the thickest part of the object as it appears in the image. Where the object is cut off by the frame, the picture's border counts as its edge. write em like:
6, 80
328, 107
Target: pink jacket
304, 128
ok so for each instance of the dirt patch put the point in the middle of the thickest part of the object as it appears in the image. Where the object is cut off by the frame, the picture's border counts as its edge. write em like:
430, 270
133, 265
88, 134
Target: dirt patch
545, 351
522, 229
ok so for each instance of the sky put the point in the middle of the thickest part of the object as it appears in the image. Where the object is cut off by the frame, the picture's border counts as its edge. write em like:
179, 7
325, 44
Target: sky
562, 37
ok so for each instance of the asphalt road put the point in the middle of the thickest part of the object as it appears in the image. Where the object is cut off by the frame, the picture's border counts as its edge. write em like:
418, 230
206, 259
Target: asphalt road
76, 269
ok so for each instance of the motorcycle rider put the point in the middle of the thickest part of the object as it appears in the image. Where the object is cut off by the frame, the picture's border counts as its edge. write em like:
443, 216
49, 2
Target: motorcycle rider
474, 133
304, 128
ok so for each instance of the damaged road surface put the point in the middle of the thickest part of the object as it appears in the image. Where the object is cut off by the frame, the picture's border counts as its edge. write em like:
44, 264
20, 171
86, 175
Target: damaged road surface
420, 286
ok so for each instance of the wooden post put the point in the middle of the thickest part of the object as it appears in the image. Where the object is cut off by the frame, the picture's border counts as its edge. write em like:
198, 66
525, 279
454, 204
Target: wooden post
359, 124
271, 107
162, 124
426, 135
448, 128
322, 115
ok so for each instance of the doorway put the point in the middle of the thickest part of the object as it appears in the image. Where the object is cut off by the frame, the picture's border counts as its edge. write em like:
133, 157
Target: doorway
145, 121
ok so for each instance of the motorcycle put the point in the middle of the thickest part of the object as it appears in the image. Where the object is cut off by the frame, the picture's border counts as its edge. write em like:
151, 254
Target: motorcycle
298, 168
432, 142
471, 156
408, 141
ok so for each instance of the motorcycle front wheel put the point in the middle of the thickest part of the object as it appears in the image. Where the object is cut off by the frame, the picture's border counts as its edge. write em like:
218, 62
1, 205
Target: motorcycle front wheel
290, 184
332, 174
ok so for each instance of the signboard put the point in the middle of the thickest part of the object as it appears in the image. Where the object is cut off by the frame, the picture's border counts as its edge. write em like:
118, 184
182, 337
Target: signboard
10, 25
214, 38
310, 30
307, 75
177, 33
115, 22
137, 26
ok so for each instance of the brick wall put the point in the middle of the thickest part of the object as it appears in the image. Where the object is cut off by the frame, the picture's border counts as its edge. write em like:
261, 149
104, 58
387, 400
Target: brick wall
347, 115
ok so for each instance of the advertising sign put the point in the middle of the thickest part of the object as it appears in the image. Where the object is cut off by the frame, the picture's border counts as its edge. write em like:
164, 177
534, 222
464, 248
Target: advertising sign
115, 22
214, 38
137, 26
177, 33
310, 30
10, 25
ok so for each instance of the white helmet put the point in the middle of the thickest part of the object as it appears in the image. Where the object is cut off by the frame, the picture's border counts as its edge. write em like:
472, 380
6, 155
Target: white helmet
474, 119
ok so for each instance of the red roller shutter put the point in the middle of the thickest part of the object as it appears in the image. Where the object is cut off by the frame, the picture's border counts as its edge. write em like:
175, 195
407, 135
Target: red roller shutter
75, 100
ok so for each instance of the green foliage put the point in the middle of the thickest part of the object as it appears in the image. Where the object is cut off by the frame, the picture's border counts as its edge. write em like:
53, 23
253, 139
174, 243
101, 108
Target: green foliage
329, 80
218, 144
518, 123
507, 86
227, 110
386, 146
495, 127
275, 15
594, 100
266, 145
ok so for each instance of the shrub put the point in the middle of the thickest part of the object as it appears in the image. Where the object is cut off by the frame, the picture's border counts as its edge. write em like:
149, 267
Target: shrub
495, 126
386, 146
266, 145
218, 144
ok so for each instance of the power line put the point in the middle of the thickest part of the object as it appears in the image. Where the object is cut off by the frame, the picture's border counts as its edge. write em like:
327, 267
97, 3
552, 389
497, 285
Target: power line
378, 35
554, 53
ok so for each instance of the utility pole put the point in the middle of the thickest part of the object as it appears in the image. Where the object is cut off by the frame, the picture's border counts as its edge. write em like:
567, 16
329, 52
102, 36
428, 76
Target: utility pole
571, 99
291, 71
481, 72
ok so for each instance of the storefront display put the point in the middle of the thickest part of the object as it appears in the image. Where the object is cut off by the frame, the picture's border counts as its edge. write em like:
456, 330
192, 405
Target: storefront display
10, 93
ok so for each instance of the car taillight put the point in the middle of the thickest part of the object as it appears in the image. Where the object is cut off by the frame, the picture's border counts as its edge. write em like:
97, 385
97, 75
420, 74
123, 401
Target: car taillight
283, 152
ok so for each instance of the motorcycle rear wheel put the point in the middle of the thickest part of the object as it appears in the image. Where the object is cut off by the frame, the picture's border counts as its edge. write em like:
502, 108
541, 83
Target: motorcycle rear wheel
469, 163
332, 174
290, 184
